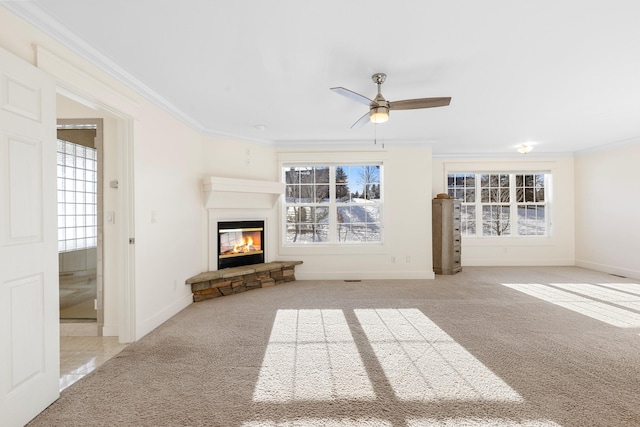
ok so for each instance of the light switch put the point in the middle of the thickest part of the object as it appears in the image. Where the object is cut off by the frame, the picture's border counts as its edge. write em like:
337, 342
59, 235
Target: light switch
111, 217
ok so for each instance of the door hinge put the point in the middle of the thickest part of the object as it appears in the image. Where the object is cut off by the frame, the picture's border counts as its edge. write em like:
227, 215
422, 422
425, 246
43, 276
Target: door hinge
132, 240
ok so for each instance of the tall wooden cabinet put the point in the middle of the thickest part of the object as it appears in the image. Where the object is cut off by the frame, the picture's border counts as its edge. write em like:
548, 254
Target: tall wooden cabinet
447, 244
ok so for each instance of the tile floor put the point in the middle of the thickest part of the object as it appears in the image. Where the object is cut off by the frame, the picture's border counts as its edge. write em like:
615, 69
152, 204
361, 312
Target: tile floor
81, 355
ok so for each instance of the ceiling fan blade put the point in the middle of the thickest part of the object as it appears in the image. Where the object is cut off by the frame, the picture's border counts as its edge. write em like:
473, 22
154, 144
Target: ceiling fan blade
352, 95
361, 121
412, 104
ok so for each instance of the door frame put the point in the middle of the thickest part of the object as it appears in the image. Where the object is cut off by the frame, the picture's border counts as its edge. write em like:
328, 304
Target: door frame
81, 87
125, 211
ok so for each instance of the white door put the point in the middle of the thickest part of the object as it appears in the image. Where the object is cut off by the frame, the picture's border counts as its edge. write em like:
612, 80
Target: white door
29, 324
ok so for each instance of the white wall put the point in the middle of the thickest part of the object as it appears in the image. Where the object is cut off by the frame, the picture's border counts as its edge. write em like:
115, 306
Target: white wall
557, 249
406, 220
608, 210
222, 157
168, 215
167, 166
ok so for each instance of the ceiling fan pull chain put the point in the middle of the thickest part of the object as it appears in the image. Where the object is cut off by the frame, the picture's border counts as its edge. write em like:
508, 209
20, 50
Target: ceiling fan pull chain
375, 134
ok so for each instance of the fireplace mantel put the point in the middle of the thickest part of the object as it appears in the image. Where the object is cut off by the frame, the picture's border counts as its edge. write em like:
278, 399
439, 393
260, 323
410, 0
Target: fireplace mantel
233, 193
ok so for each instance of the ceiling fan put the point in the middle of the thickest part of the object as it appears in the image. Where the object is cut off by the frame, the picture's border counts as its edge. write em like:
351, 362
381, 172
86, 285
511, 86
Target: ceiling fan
379, 107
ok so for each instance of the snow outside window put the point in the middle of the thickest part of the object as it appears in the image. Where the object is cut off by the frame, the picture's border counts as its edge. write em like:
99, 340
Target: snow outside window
333, 204
502, 204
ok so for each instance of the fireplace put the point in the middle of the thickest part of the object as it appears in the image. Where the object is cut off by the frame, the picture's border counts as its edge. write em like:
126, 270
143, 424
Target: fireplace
240, 243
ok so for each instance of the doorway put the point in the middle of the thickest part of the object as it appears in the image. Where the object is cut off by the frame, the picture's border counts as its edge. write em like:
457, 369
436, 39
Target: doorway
80, 200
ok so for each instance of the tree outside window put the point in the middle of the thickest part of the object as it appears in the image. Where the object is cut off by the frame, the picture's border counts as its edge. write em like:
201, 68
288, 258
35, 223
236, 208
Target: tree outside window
333, 204
502, 197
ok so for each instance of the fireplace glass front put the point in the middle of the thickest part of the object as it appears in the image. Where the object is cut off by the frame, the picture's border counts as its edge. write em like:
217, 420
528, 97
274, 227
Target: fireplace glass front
240, 243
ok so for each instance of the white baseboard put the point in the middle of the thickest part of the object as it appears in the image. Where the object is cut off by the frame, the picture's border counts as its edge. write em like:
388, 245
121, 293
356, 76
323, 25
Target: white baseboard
365, 275
110, 331
542, 262
152, 322
611, 269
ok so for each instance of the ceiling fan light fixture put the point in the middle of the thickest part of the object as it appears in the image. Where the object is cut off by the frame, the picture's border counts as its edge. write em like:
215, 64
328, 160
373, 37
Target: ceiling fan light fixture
379, 115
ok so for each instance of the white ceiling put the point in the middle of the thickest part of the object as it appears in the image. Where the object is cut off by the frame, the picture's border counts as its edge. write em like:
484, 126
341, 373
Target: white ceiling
564, 75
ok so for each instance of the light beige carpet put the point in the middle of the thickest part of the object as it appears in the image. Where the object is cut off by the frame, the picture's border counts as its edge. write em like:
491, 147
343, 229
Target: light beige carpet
486, 347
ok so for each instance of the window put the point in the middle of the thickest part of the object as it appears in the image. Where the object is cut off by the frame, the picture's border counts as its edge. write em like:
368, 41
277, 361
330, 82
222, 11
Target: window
491, 201
77, 196
333, 204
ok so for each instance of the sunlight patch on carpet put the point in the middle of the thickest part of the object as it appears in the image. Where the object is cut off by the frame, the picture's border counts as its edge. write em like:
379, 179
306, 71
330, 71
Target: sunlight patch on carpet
322, 422
423, 363
311, 355
632, 288
606, 295
478, 422
599, 310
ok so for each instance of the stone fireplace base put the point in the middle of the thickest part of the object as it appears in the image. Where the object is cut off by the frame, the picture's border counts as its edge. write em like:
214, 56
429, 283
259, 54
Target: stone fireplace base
228, 281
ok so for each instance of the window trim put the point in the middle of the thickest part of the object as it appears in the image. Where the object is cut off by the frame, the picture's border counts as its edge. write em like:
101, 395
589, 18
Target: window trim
333, 205
511, 167
319, 158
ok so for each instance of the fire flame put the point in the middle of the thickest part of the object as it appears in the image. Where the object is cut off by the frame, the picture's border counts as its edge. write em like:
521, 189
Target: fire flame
246, 246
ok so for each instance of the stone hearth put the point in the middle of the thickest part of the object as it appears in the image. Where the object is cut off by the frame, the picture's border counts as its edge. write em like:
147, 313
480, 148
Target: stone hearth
229, 281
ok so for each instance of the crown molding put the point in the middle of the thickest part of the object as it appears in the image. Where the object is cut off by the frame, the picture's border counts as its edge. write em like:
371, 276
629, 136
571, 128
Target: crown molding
608, 147
244, 138
44, 22
500, 155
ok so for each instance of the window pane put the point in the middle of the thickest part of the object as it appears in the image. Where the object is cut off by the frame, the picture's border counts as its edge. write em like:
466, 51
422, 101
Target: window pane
322, 193
292, 176
342, 193
306, 193
468, 220
322, 175
313, 233
531, 220
322, 214
496, 220
344, 215
528, 195
306, 176
504, 195
77, 197
470, 196
307, 214
357, 191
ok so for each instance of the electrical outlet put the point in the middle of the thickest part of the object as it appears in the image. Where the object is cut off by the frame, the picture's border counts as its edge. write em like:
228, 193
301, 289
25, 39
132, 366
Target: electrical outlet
408, 259
393, 260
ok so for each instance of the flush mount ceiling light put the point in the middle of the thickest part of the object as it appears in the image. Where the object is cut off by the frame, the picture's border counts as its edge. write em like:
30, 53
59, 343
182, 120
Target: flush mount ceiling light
524, 148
